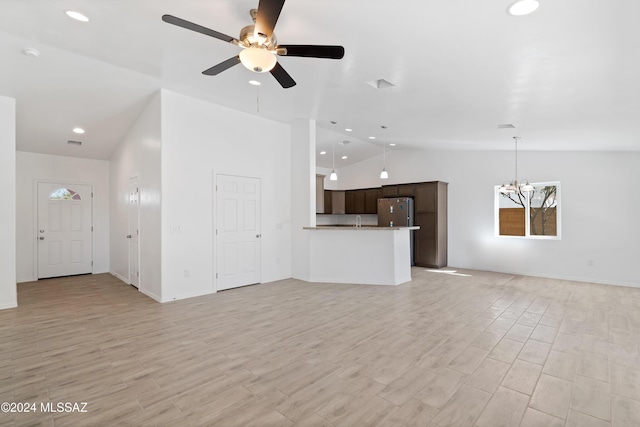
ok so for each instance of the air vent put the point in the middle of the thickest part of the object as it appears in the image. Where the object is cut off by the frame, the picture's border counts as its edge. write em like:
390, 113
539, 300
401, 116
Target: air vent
381, 84
70, 142
506, 126
345, 142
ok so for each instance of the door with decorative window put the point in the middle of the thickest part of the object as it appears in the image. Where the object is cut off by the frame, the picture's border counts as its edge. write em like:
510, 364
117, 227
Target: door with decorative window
64, 234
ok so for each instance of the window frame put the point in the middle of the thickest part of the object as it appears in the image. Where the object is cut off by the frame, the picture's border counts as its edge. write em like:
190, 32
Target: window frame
65, 199
527, 215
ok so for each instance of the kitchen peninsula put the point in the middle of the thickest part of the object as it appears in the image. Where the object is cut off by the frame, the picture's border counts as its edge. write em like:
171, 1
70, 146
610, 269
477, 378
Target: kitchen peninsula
364, 255
430, 213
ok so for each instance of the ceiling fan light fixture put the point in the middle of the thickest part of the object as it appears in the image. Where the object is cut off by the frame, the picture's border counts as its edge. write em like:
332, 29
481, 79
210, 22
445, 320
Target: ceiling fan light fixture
257, 59
523, 7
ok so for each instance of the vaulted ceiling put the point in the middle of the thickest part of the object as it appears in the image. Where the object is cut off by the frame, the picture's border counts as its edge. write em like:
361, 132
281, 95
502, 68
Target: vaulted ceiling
564, 76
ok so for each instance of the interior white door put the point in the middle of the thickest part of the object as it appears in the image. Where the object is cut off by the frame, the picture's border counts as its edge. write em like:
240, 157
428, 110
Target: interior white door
64, 229
237, 231
134, 233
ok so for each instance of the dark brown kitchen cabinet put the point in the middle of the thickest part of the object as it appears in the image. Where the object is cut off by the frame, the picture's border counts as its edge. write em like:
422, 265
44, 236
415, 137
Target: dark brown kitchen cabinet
328, 202
334, 202
354, 201
349, 202
430, 213
390, 191
406, 190
362, 201
371, 197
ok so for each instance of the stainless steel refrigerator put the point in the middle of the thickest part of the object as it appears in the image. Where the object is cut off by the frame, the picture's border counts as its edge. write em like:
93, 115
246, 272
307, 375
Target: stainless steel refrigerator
396, 212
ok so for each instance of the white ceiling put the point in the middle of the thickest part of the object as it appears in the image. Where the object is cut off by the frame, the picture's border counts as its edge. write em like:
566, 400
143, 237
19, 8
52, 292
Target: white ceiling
566, 76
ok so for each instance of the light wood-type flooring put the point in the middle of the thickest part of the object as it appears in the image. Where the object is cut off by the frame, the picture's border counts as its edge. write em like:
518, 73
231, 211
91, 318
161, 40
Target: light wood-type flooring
485, 349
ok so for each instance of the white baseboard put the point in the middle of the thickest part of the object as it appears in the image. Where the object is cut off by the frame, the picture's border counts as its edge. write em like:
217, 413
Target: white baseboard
150, 295
124, 279
6, 306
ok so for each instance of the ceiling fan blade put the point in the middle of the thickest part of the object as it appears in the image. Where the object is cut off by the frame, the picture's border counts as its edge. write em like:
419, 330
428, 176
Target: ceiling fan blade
225, 65
313, 51
197, 28
282, 76
268, 13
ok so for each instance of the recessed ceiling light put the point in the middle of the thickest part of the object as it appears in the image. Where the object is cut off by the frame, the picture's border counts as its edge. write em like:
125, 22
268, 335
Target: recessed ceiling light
372, 137
254, 82
76, 15
348, 130
322, 153
31, 52
344, 157
78, 130
523, 7
392, 144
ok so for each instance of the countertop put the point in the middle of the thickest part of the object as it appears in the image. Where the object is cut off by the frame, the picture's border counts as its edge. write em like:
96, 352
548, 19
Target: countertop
364, 227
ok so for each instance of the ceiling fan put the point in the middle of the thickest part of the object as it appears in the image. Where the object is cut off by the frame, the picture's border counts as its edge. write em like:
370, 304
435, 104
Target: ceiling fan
259, 44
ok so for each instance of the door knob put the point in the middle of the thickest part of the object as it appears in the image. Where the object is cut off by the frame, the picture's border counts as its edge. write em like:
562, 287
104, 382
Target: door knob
258, 236
41, 237
128, 236
42, 231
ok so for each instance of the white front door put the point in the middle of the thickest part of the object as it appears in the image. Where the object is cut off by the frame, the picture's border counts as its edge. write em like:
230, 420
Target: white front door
64, 230
134, 234
237, 231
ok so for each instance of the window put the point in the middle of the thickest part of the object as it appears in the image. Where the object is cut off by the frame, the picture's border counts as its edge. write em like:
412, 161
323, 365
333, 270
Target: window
64, 194
531, 214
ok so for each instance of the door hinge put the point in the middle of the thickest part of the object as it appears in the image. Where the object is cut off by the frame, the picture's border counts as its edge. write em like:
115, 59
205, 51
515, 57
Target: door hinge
216, 187
91, 228
137, 232
92, 194
137, 190
216, 275
91, 263
137, 274
216, 231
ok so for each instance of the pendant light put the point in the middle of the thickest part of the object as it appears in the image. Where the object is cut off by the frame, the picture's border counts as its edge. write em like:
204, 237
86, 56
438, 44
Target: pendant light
384, 174
334, 175
515, 186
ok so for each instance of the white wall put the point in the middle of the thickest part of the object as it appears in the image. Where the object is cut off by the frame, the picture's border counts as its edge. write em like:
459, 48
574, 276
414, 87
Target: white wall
303, 194
599, 210
138, 155
328, 184
199, 140
33, 167
8, 296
